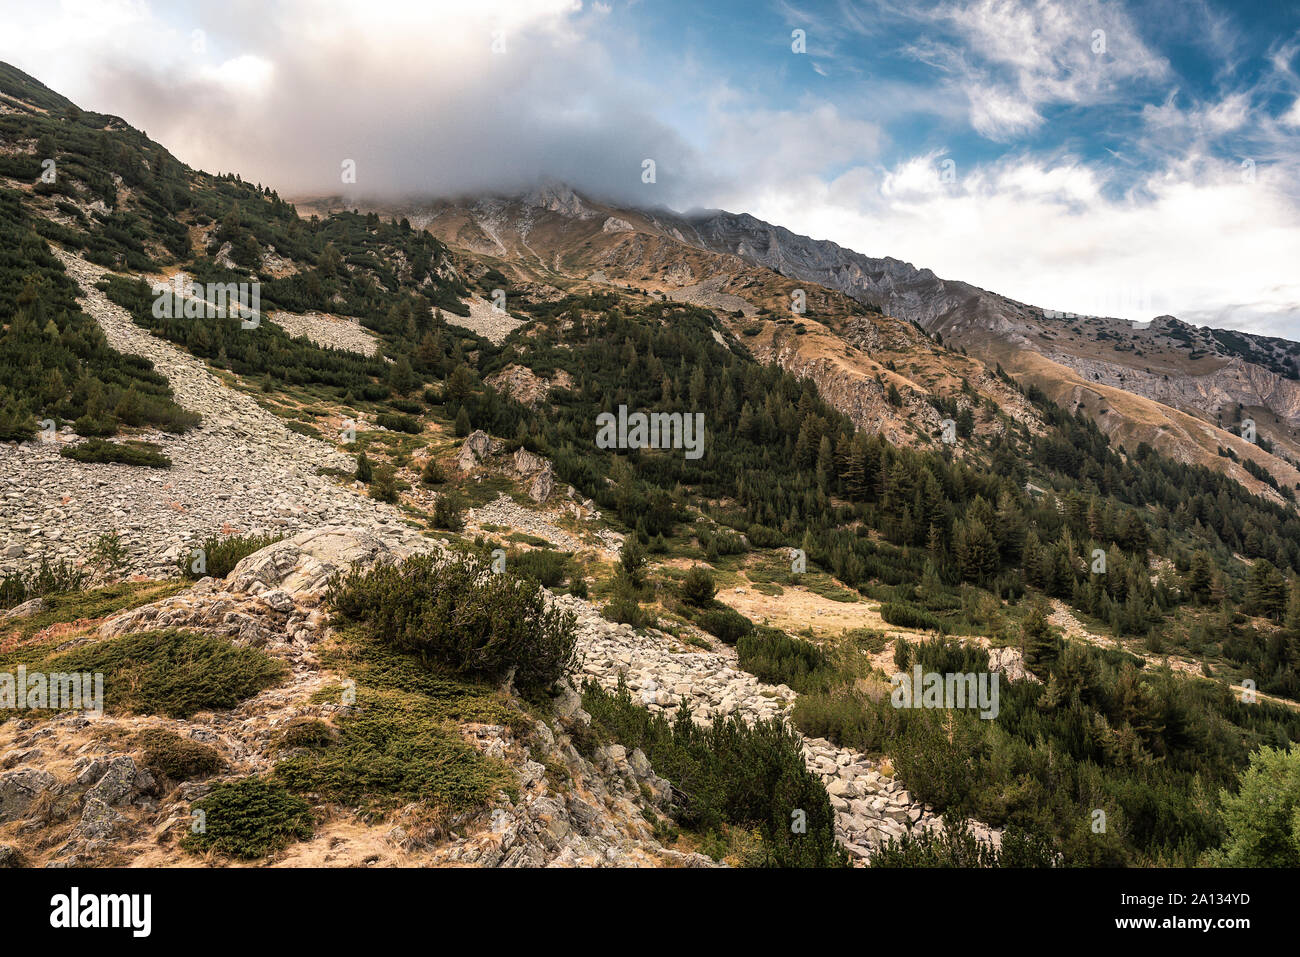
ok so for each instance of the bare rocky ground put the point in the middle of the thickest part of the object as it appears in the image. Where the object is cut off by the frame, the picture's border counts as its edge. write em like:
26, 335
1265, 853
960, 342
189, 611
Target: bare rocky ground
523, 385
489, 322
241, 470
331, 332
1063, 618
481, 455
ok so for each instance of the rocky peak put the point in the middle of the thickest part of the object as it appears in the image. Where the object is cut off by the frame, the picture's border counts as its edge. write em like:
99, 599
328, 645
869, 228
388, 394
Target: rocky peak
558, 198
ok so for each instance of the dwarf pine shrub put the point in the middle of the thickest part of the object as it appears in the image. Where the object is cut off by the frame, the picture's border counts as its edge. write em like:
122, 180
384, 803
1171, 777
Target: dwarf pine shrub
121, 453
906, 615
698, 587
457, 615
174, 673
392, 749
51, 578
545, 566
221, 553
940, 655
395, 422
168, 755
725, 624
248, 819
729, 775
773, 656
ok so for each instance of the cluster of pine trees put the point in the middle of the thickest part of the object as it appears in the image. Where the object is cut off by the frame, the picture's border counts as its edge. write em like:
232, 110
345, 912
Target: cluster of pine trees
58, 363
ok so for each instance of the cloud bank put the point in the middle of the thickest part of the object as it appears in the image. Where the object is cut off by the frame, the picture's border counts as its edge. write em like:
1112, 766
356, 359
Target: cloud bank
1192, 209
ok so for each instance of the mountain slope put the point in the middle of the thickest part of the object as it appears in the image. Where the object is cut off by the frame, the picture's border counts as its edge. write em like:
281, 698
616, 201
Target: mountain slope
552, 241
1215, 376
1185, 391
853, 554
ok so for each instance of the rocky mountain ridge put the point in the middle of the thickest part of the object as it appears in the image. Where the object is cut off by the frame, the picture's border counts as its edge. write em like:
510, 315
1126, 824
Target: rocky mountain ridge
1197, 371
1181, 389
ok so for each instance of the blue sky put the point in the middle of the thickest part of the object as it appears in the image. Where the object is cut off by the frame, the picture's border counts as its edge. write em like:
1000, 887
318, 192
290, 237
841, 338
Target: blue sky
1122, 158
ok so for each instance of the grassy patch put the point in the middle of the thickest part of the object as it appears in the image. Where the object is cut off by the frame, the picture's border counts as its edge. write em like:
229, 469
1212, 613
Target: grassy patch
173, 673
399, 742
375, 664
62, 607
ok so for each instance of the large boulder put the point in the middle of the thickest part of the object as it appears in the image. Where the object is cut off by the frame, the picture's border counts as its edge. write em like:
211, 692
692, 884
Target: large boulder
28, 608
305, 563
478, 445
1011, 663
114, 780
10, 856
20, 788
538, 472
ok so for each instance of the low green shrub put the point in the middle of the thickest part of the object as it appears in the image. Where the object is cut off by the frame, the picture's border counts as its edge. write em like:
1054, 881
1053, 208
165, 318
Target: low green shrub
448, 513
392, 749
906, 615
725, 624
384, 486
432, 473
773, 656
145, 454
459, 616
174, 673
248, 819
303, 428
624, 606
850, 719
545, 566
697, 587
307, 733
941, 656
956, 846
168, 755
221, 553
51, 578
394, 422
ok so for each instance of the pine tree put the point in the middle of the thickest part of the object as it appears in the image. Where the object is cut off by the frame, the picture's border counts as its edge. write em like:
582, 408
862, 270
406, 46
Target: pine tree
1200, 576
1037, 643
977, 553
1266, 593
